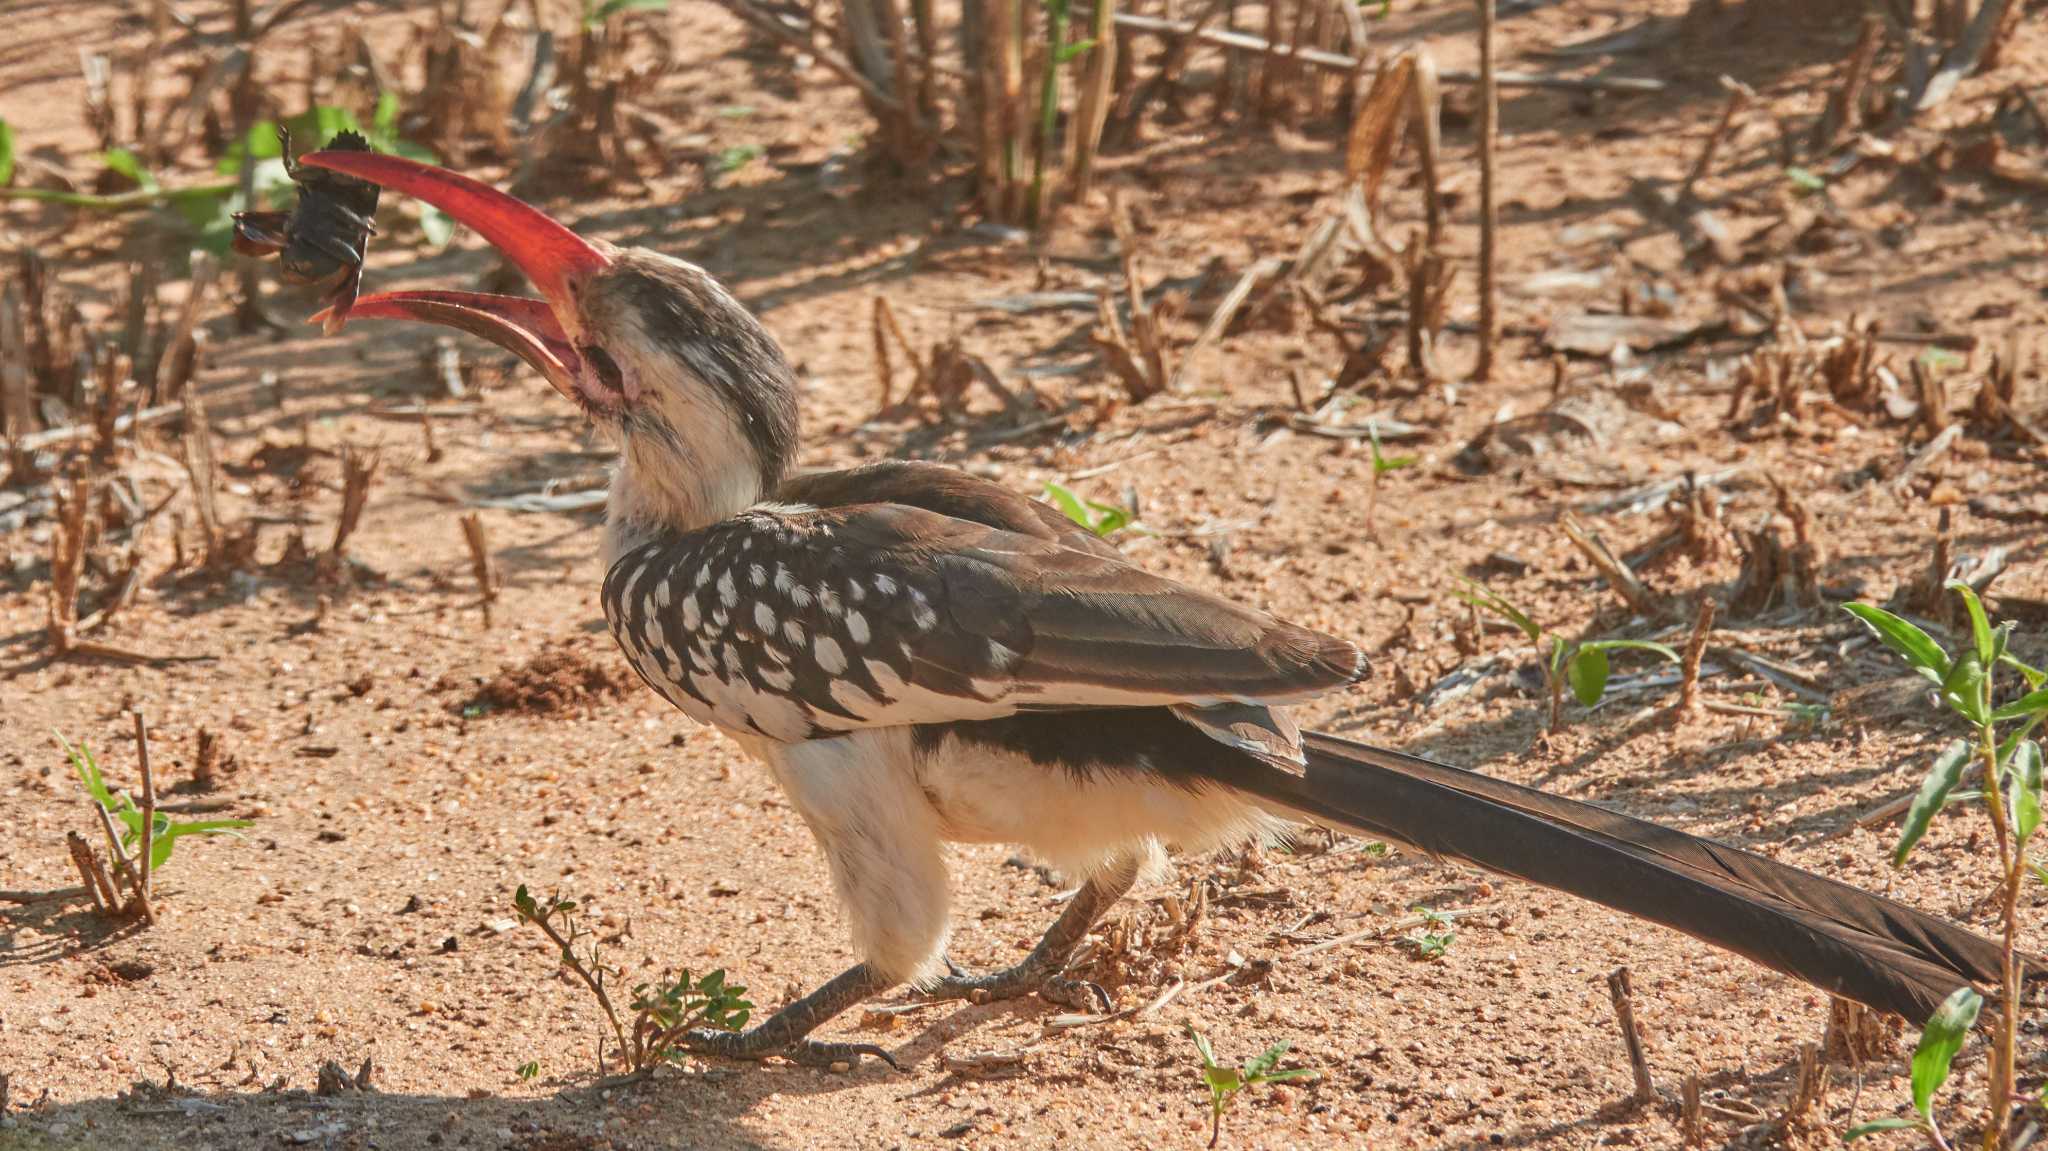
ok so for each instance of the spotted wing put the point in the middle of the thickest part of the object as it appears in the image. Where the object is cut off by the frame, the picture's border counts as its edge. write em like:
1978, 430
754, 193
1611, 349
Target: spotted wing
804, 623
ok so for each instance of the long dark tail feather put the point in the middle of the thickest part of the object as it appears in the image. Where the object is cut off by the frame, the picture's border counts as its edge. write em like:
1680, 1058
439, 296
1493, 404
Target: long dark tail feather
1838, 938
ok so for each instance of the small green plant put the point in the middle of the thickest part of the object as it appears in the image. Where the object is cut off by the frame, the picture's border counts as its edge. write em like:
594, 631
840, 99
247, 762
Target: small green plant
528, 1070
1382, 464
1939, 1041
1584, 667
2008, 763
163, 834
1435, 940
1804, 182
738, 156
1103, 519
663, 1013
1224, 1083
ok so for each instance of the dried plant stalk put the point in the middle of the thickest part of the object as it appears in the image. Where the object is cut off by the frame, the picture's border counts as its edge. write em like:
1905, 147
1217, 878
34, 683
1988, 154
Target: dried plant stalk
67, 562
357, 470
480, 562
1489, 209
1095, 97
200, 465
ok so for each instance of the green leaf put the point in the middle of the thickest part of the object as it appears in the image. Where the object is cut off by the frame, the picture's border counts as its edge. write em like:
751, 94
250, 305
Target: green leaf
1805, 181
128, 164
1223, 1080
1108, 519
88, 772
2034, 676
2032, 703
1290, 1073
1202, 1045
1070, 505
737, 157
2025, 787
1980, 627
529, 1069
1587, 673
1633, 645
6, 153
1963, 688
1068, 52
437, 226
1920, 650
1939, 1041
1479, 595
1267, 1061
1934, 791
384, 121
1877, 1125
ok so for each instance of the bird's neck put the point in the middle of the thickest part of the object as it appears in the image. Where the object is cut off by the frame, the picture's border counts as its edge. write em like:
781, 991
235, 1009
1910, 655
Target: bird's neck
662, 488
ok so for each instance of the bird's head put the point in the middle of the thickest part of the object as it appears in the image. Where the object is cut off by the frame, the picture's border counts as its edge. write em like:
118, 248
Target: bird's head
699, 395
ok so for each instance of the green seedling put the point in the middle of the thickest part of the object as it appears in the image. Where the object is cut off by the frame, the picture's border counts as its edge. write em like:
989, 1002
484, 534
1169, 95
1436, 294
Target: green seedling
663, 1012
1382, 464
739, 156
1224, 1083
1939, 1041
1804, 182
2008, 762
1584, 667
164, 833
1103, 519
528, 1071
1430, 944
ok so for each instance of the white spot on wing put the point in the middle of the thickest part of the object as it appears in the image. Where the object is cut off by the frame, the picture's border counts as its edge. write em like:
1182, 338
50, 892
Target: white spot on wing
662, 593
728, 592
922, 617
793, 632
783, 580
857, 627
757, 574
779, 678
885, 585
800, 596
764, 616
830, 658
691, 616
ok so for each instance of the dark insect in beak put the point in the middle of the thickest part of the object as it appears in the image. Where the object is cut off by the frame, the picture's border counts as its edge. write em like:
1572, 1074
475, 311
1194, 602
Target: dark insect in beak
323, 239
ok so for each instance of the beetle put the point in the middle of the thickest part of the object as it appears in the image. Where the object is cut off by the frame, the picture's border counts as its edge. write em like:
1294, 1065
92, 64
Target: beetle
325, 236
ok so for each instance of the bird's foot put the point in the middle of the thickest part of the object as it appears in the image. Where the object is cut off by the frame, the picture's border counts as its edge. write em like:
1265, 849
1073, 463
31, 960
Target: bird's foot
764, 1042
1019, 981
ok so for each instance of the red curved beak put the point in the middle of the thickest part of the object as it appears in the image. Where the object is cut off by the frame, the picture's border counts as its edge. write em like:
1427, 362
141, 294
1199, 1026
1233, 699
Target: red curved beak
557, 261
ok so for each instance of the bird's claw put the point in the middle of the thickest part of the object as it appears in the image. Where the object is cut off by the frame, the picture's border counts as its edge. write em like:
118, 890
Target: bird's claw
1079, 994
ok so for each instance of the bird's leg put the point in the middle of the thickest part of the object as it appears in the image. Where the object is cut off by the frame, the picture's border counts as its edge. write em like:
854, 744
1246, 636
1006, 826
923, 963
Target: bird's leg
787, 1032
1041, 970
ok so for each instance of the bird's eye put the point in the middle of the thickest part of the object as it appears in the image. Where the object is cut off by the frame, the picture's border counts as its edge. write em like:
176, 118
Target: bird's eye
607, 369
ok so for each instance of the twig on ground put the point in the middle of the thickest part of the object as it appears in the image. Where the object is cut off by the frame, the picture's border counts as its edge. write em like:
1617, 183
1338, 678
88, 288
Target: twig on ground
1489, 209
1695, 650
1739, 96
1640, 597
1625, 1014
480, 563
104, 897
142, 894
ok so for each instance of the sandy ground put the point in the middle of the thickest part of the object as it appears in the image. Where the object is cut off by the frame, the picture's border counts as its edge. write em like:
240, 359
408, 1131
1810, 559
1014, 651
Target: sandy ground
367, 913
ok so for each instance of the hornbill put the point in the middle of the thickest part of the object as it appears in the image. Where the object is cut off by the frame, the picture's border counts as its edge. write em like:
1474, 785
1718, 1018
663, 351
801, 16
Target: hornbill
920, 656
